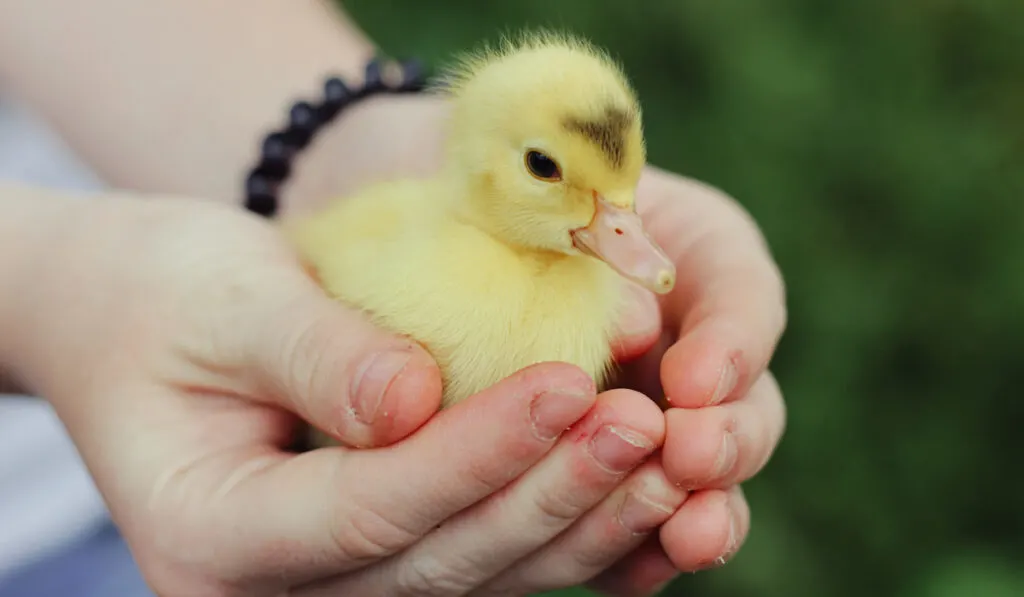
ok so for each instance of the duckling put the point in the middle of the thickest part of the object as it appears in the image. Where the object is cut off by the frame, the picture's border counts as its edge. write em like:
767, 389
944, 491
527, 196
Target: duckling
518, 250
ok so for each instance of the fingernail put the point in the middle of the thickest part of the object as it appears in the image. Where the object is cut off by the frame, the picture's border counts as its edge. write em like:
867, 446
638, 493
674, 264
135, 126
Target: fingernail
727, 455
732, 535
618, 449
726, 383
372, 379
640, 514
730, 543
554, 411
640, 316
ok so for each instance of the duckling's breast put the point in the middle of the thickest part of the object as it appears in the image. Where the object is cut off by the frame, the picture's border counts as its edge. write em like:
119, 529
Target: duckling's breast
507, 337
509, 318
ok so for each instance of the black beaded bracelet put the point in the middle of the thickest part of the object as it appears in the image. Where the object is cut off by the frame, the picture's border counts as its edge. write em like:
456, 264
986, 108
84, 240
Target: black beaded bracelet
305, 119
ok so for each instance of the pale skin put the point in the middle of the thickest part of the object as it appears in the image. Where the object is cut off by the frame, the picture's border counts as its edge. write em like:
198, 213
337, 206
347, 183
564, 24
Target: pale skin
189, 337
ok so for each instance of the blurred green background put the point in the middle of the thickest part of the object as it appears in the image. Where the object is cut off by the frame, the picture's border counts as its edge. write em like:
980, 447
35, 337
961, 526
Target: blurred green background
881, 147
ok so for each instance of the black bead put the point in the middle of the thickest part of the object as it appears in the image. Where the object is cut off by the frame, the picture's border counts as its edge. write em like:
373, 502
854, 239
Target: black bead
413, 78
276, 157
261, 205
303, 116
275, 171
260, 195
336, 96
303, 122
336, 91
304, 119
374, 82
275, 147
298, 138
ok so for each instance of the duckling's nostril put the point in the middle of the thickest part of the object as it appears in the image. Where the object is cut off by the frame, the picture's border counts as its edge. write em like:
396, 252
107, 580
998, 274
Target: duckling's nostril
618, 231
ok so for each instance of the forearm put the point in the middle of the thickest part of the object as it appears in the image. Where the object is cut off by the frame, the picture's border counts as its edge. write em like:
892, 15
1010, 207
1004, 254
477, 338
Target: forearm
173, 95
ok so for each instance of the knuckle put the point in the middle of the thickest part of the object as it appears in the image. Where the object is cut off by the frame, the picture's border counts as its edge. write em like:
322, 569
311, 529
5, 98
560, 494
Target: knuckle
424, 575
590, 560
557, 509
305, 357
482, 473
662, 497
364, 534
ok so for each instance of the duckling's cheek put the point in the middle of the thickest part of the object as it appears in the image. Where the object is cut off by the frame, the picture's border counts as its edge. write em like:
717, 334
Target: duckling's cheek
584, 212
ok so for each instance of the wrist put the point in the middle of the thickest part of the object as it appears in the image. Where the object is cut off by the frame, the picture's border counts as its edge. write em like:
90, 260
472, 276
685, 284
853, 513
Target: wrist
32, 218
184, 111
377, 139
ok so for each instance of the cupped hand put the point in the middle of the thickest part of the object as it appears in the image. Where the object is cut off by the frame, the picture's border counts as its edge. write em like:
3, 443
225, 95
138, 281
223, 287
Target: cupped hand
178, 340
702, 351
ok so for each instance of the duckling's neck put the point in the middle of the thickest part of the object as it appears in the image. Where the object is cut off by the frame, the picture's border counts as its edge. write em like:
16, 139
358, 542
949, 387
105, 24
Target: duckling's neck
541, 262
469, 212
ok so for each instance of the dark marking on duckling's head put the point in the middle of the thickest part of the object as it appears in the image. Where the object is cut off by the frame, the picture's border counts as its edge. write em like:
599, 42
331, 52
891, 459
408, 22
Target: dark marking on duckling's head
608, 132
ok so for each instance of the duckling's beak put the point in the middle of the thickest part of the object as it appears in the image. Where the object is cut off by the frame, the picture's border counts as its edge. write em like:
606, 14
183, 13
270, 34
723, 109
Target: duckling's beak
617, 236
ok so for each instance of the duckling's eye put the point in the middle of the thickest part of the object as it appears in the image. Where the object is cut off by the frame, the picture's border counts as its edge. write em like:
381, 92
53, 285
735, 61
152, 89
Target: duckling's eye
542, 167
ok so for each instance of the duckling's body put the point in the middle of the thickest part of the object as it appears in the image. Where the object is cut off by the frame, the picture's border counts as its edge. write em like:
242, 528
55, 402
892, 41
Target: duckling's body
482, 309
518, 250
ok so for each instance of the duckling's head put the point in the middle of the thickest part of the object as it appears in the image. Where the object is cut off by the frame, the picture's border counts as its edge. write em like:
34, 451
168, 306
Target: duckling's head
546, 134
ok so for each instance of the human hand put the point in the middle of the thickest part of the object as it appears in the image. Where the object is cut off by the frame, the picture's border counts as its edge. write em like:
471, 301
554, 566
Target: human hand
176, 339
722, 426
704, 356
728, 307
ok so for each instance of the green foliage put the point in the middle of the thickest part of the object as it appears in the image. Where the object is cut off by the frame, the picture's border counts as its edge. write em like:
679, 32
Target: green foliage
881, 147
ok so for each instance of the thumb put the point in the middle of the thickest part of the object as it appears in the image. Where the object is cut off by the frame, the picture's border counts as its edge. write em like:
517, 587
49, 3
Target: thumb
331, 366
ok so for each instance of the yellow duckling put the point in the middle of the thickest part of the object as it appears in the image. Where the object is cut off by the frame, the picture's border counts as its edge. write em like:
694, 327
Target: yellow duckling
516, 252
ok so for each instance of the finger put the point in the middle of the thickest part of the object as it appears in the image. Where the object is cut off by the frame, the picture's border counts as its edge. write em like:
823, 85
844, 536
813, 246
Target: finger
334, 510
734, 320
721, 446
643, 373
643, 573
604, 535
588, 463
639, 323
325, 362
707, 530
729, 300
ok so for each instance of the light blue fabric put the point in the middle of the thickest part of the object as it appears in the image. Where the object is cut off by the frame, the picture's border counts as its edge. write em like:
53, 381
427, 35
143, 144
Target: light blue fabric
98, 566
